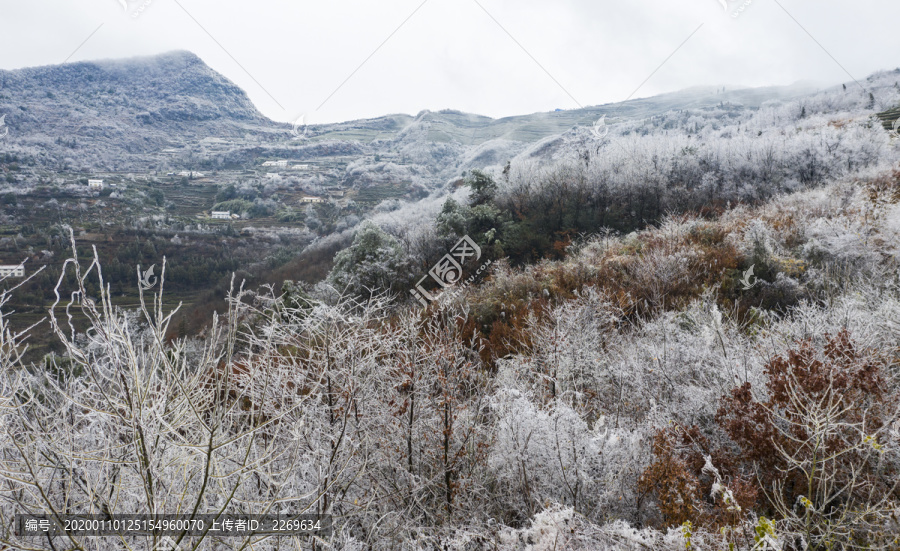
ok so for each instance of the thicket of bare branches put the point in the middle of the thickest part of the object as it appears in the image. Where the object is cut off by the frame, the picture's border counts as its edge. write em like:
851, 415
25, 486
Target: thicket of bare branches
627, 397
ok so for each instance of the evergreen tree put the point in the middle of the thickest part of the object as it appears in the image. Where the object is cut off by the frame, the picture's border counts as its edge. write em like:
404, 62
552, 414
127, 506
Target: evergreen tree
483, 187
375, 262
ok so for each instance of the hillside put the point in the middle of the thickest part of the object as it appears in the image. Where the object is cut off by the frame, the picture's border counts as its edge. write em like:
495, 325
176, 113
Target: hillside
149, 113
677, 387
174, 141
447, 331
122, 112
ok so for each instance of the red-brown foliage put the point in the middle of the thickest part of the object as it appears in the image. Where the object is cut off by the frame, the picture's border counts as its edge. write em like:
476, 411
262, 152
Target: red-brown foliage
627, 273
683, 490
753, 438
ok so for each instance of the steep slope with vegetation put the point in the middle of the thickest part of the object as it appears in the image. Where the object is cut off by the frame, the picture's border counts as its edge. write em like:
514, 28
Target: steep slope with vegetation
688, 338
644, 391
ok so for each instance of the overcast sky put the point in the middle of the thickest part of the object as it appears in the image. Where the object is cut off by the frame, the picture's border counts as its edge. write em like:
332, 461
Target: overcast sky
348, 59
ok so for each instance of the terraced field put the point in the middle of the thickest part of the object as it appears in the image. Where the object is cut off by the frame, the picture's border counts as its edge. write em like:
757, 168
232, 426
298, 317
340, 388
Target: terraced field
889, 118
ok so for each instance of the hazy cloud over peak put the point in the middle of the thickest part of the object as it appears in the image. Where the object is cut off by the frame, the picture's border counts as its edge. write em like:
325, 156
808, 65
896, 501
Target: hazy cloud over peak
353, 59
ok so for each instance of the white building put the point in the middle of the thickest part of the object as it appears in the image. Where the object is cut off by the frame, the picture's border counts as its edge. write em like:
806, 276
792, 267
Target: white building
9, 270
95, 184
279, 164
191, 174
300, 167
272, 175
221, 214
308, 199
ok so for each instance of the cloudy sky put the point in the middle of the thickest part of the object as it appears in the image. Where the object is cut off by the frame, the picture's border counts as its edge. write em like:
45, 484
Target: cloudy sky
347, 59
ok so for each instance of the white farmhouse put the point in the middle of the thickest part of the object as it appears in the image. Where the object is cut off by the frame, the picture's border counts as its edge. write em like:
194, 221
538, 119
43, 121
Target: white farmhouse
279, 164
95, 184
221, 214
191, 174
309, 199
8, 270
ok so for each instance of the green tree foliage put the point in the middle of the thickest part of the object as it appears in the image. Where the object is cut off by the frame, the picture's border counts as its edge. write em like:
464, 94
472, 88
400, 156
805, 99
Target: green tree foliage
227, 193
482, 220
295, 303
157, 196
236, 206
529, 223
484, 188
374, 262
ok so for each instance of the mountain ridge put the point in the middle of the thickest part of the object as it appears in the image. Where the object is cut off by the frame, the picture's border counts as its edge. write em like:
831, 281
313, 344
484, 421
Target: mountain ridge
170, 112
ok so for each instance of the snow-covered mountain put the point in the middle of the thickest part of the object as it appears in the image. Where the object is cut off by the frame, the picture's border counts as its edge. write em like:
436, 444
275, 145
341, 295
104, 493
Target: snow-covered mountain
129, 114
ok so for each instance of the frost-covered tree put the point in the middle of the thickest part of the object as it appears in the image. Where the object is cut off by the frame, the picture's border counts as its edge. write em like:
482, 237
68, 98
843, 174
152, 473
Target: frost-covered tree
374, 263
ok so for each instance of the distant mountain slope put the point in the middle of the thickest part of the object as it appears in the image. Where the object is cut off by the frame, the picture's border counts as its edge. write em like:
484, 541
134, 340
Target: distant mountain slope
133, 106
166, 110
469, 129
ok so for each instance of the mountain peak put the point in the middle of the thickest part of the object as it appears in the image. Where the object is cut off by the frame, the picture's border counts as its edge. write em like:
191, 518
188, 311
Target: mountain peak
138, 104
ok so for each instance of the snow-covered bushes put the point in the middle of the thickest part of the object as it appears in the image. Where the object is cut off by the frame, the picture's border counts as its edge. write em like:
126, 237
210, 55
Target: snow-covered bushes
568, 404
